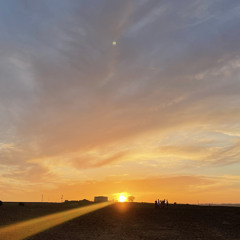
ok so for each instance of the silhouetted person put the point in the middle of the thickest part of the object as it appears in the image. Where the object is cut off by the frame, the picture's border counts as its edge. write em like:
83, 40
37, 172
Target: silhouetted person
156, 204
163, 203
1, 203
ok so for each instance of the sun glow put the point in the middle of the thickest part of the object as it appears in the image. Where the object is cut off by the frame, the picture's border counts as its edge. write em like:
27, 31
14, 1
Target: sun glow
122, 198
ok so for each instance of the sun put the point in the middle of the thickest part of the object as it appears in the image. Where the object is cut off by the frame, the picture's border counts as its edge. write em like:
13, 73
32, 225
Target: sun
122, 198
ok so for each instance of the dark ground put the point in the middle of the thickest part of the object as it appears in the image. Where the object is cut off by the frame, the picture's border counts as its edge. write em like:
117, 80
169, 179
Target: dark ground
135, 221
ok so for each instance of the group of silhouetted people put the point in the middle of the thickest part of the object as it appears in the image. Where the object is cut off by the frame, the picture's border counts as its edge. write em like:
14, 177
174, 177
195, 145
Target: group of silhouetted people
161, 203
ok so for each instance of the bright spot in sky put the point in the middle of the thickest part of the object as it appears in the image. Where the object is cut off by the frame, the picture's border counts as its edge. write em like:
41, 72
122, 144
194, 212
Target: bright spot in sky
114, 43
122, 198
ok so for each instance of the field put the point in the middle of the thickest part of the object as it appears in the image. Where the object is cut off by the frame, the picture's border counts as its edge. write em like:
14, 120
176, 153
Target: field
134, 221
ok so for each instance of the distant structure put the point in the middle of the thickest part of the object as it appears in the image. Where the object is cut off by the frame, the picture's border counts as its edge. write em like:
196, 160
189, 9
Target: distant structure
100, 199
77, 202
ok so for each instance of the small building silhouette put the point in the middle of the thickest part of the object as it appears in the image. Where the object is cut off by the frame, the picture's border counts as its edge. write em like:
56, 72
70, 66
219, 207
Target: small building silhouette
100, 199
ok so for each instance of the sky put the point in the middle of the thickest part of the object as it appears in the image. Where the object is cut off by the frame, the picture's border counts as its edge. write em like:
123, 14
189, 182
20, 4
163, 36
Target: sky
155, 115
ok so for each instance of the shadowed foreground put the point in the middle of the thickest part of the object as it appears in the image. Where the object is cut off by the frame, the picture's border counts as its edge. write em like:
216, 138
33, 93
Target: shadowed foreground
25, 229
143, 221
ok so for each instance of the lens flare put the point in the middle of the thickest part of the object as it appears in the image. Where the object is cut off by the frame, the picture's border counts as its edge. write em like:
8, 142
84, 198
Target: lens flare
22, 230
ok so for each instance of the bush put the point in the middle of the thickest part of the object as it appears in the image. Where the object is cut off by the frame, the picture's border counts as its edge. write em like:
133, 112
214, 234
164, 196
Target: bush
1, 203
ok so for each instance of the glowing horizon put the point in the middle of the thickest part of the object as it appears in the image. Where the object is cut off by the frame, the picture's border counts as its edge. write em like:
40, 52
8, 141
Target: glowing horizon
109, 96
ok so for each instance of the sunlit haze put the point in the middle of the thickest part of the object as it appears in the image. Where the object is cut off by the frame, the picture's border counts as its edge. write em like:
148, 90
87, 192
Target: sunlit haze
103, 97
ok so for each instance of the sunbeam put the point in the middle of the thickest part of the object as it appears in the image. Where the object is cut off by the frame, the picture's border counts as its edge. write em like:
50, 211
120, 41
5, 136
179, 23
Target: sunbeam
22, 230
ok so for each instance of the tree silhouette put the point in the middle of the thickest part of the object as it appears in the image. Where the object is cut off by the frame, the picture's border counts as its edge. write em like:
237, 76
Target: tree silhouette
131, 198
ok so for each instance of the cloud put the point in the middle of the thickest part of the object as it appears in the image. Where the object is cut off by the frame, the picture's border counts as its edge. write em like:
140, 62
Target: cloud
96, 160
72, 99
227, 155
29, 172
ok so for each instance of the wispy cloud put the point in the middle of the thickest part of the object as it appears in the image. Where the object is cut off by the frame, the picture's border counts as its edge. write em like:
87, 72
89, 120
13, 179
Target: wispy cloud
167, 93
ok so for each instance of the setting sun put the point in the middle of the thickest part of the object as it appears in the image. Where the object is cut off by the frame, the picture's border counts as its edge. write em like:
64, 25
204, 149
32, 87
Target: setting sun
122, 198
